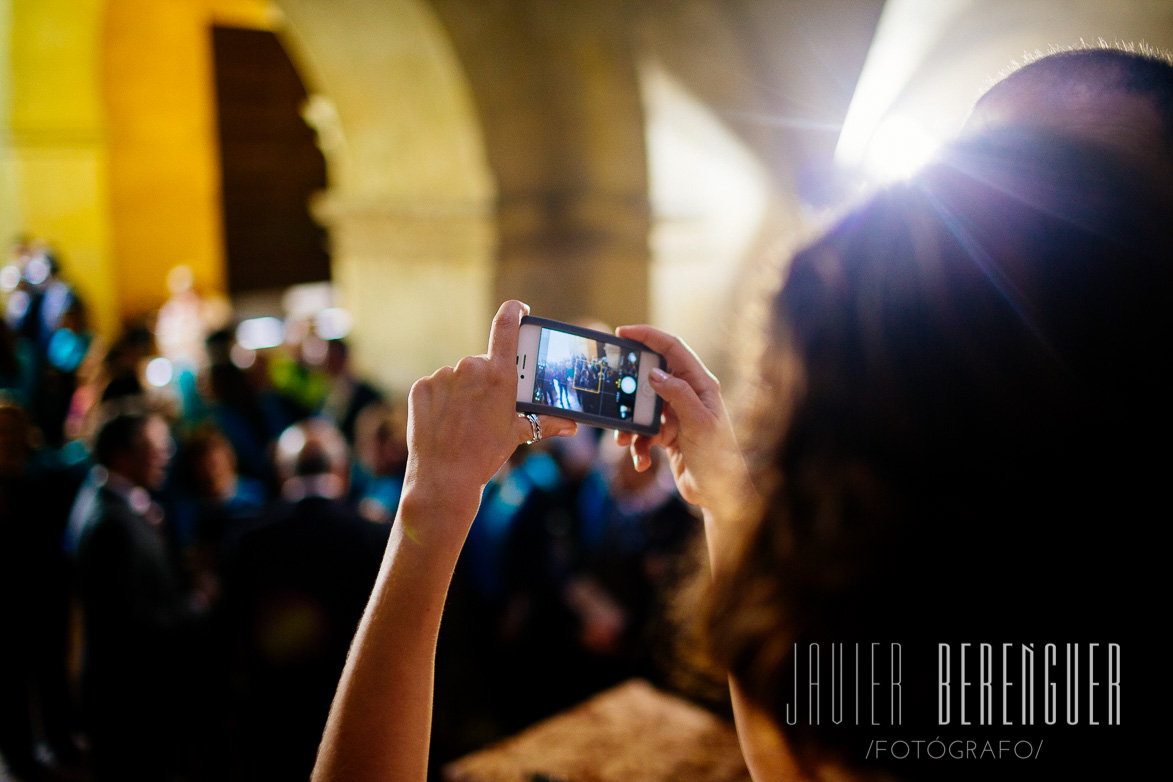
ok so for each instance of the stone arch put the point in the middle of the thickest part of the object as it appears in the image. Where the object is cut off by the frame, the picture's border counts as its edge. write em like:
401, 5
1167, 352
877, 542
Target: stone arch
478, 151
410, 198
557, 90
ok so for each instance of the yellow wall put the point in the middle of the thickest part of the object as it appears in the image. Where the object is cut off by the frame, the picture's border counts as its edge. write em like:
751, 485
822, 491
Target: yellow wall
53, 165
108, 141
475, 150
164, 160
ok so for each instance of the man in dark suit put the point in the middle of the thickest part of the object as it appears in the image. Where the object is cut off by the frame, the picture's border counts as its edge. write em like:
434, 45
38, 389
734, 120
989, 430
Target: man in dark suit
135, 608
298, 589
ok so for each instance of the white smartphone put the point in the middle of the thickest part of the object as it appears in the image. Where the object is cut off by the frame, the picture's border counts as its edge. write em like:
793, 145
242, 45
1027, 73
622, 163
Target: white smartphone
589, 376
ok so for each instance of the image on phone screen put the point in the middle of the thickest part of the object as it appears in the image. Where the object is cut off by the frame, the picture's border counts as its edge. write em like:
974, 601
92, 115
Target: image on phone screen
586, 375
591, 376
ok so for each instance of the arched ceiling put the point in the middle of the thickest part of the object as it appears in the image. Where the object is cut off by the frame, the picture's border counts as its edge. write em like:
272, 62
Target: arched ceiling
410, 128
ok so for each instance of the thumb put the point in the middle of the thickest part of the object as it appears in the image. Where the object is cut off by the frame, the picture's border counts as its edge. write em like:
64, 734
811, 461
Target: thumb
690, 410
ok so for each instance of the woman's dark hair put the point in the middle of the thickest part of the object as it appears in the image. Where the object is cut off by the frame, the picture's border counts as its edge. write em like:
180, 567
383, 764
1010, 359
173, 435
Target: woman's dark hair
1098, 71
967, 453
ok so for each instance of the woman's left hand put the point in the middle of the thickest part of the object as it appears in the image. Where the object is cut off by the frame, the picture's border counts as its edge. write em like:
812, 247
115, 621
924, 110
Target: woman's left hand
463, 425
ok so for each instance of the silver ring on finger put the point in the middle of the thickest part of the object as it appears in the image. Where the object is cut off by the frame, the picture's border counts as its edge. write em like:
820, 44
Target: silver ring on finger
535, 427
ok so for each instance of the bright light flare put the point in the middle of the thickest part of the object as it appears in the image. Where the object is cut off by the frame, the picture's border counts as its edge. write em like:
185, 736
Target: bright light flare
242, 357
18, 305
159, 372
291, 441
37, 270
899, 148
9, 278
260, 333
333, 323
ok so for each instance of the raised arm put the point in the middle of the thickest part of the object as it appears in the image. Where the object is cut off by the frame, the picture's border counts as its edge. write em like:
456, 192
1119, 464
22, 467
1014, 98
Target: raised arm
461, 429
697, 436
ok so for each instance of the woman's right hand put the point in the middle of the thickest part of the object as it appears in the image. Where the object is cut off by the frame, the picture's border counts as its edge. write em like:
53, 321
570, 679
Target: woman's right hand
463, 425
696, 431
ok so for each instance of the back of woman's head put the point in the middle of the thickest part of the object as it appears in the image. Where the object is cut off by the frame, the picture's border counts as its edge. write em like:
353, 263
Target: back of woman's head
972, 360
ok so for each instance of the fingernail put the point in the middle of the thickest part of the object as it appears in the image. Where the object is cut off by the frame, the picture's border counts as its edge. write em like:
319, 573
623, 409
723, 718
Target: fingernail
658, 375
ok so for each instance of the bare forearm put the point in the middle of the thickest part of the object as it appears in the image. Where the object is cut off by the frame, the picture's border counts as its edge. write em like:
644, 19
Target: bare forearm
380, 723
462, 427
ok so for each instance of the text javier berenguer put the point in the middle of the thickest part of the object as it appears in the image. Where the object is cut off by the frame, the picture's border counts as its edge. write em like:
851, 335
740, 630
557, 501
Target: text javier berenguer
1076, 683
977, 684
860, 683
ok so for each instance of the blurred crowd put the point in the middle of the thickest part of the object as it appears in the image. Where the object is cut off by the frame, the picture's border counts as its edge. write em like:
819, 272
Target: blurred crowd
191, 520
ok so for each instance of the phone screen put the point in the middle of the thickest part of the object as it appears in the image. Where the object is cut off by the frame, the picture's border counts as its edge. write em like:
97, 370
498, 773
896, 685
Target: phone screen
586, 375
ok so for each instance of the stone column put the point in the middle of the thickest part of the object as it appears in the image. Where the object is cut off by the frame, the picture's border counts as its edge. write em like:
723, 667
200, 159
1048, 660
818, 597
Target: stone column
416, 277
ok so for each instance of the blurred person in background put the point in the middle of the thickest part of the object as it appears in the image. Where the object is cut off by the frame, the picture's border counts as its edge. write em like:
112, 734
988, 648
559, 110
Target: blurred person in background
217, 503
493, 611
34, 699
297, 589
381, 453
69, 346
18, 366
633, 528
587, 568
139, 614
244, 406
212, 506
44, 296
123, 364
348, 395
296, 369
46, 337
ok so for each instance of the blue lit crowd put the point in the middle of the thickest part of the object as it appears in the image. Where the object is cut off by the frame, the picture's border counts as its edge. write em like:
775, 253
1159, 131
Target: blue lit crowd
191, 519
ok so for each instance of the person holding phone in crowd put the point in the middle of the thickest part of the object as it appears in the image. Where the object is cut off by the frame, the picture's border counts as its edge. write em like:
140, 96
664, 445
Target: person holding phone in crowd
952, 438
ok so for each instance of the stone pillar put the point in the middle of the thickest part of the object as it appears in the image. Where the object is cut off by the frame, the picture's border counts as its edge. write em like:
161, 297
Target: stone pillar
410, 202
557, 92
416, 278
